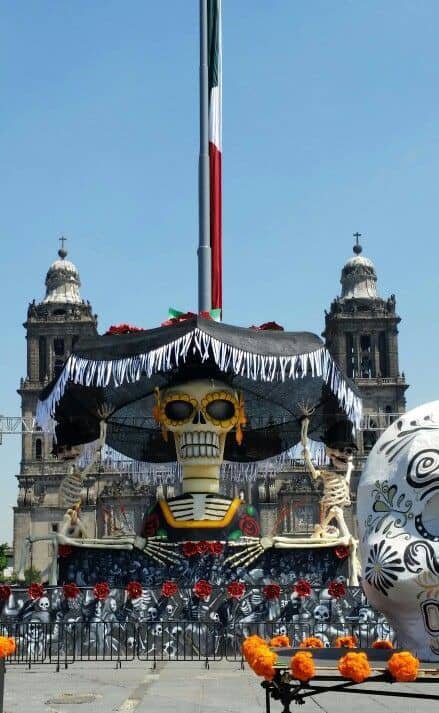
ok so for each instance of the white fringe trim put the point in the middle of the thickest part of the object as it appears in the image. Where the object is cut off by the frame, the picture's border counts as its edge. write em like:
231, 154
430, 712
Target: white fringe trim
257, 367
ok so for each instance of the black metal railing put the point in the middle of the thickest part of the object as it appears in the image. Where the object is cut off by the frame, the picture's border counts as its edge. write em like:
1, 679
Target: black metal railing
205, 641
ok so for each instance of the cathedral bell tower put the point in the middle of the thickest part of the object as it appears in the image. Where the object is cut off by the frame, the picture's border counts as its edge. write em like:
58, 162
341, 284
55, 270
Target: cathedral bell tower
361, 332
53, 326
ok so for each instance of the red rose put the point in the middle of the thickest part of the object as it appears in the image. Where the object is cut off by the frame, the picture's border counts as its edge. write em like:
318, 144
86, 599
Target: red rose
236, 590
71, 591
202, 547
249, 526
336, 589
271, 591
64, 550
101, 590
202, 589
35, 590
5, 592
189, 549
169, 588
134, 590
342, 552
302, 588
216, 548
151, 524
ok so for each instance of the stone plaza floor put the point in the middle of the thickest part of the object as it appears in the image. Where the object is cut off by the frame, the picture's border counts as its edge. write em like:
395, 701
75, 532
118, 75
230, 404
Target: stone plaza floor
176, 687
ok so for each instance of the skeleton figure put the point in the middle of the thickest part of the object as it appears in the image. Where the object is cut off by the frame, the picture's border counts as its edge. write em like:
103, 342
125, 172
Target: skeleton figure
335, 488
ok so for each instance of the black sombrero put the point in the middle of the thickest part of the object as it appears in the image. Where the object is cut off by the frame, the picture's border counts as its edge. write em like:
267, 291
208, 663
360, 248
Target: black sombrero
113, 377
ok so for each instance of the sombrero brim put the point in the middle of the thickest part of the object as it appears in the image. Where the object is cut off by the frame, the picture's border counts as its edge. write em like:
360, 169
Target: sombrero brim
113, 378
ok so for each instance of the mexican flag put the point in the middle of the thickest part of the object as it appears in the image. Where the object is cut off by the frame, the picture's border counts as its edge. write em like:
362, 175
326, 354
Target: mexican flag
215, 102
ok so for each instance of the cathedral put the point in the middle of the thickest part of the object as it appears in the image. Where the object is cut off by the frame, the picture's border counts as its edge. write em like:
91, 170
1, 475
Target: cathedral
361, 332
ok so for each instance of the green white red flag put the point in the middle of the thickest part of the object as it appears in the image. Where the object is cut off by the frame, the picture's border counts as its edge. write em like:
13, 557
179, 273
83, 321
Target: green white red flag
215, 140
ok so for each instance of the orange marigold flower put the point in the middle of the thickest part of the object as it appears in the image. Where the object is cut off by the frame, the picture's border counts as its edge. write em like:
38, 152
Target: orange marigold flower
355, 666
302, 666
250, 646
280, 640
346, 642
403, 666
311, 642
382, 644
263, 663
7, 646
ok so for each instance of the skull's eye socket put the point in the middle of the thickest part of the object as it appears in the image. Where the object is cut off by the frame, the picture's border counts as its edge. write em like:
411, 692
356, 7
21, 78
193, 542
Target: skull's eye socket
179, 410
220, 410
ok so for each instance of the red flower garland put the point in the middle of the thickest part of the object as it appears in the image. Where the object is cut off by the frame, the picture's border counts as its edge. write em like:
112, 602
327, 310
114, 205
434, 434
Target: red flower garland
302, 588
216, 548
5, 592
202, 547
64, 550
123, 329
184, 316
202, 589
189, 549
236, 590
336, 590
35, 590
268, 326
71, 590
342, 552
169, 588
101, 590
134, 590
271, 591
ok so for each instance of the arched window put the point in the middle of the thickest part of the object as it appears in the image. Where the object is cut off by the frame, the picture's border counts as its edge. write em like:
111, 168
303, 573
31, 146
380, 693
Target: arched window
38, 449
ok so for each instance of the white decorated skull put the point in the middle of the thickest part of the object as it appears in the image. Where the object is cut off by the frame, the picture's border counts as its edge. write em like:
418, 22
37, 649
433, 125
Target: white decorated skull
200, 413
398, 517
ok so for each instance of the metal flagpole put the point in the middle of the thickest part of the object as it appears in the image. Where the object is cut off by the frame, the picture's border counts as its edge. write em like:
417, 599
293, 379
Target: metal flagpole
204, 252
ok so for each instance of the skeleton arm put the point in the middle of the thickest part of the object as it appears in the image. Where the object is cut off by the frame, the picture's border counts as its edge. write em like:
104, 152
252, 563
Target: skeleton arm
71, 485
349, 469
306, 454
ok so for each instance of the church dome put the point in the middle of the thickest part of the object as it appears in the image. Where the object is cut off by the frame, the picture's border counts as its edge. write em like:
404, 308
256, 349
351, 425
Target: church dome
62, 281
358, 277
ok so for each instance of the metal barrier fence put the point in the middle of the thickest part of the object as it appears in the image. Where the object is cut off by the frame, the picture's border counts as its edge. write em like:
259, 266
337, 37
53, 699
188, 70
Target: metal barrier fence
64, 644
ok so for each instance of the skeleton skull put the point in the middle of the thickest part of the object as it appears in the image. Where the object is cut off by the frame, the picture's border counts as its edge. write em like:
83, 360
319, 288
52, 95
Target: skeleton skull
151, 614
199, 413
398, 513
44, 604
321, 613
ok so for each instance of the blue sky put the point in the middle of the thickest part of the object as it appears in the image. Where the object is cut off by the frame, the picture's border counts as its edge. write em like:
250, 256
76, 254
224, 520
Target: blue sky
330, 126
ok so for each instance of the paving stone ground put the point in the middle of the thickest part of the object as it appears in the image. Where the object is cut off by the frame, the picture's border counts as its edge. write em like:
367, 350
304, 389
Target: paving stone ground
178, 687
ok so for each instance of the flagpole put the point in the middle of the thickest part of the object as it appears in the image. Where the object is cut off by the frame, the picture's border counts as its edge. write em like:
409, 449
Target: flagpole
204, 251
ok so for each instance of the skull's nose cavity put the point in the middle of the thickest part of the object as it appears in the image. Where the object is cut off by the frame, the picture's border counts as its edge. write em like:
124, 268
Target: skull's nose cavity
198, 418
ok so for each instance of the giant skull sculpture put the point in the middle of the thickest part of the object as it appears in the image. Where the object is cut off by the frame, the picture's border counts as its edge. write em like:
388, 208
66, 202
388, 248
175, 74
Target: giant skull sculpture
398, 513
200, 413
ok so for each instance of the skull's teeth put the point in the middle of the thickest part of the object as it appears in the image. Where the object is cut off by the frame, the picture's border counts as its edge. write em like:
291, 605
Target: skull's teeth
199, 452
199, 444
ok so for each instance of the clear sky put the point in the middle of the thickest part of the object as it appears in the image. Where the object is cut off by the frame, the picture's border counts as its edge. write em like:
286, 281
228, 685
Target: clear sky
331, 125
